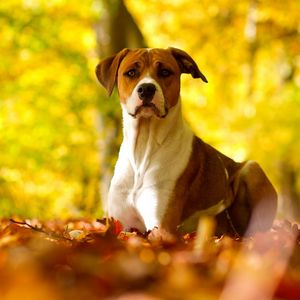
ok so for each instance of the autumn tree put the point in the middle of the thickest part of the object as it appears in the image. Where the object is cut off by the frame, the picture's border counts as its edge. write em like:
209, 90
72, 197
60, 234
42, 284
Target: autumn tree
116, 30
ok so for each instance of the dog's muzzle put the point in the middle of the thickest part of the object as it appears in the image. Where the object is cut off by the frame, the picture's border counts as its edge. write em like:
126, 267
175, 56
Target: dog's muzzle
146, 92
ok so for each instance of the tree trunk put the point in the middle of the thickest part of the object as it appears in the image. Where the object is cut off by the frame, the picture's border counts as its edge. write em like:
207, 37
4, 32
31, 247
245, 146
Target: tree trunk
115, 30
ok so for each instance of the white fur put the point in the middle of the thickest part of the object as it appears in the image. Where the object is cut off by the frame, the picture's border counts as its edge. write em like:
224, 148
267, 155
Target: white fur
153, 154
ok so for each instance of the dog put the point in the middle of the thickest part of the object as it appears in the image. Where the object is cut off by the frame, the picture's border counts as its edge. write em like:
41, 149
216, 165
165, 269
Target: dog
165, 177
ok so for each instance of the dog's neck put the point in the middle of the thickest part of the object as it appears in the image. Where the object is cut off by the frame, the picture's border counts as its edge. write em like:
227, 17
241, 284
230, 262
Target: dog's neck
145, 136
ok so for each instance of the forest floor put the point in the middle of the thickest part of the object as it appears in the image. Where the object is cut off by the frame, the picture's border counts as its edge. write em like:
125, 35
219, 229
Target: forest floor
95, 259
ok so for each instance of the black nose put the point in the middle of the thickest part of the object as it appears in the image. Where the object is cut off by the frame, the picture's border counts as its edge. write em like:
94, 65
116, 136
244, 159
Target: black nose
146, 92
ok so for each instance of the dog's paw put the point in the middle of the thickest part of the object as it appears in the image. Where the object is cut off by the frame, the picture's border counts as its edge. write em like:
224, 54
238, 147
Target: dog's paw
161, 236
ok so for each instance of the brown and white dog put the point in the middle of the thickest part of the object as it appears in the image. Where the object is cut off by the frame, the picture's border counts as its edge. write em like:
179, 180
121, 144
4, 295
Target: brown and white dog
165, 176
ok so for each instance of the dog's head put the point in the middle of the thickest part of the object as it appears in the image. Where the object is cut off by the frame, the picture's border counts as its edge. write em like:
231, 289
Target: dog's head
148, 80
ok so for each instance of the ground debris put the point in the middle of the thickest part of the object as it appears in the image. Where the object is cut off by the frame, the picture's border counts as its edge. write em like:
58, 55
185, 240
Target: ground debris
76, 259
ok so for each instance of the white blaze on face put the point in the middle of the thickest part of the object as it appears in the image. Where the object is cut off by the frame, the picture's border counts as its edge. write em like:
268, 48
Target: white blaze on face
134, 104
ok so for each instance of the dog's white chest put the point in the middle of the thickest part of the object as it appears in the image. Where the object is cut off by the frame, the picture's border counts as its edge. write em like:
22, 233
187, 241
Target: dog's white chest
152, 157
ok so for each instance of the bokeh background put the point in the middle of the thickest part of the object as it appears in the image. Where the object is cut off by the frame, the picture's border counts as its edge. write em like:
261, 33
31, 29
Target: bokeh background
59, 133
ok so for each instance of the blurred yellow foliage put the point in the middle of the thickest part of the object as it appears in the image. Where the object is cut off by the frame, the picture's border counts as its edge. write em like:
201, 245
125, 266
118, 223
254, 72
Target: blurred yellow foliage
49, 163
49, 99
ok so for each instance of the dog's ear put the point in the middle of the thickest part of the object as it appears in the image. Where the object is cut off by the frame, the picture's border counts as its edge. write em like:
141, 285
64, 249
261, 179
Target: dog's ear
107, 70
187, 64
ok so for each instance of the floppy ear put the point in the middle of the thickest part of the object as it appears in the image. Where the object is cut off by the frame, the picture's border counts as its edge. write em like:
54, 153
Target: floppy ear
107, 70
187, 64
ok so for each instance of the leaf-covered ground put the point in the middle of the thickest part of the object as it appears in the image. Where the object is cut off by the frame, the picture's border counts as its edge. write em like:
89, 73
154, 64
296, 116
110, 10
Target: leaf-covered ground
89, 259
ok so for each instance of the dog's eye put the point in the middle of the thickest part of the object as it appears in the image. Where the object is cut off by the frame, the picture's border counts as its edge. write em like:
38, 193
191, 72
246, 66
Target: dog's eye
164, 73
131, 73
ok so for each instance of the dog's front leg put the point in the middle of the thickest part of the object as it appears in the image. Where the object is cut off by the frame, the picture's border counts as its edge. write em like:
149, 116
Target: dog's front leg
153, 206
120, 209
150, 208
